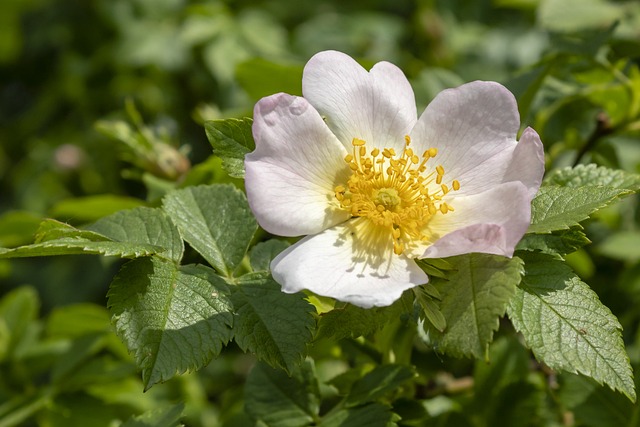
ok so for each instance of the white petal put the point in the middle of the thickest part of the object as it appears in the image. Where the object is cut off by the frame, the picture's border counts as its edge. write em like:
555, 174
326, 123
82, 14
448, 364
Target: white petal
377, 106
335, 263
527, 163
474, 129
291, 176
490, 222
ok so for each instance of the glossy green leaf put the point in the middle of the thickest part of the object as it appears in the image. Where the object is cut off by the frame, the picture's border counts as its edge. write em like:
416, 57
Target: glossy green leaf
231, 139
560, 208
278, 399
216, 221
275, 326
474, 298
173, 319
567, 327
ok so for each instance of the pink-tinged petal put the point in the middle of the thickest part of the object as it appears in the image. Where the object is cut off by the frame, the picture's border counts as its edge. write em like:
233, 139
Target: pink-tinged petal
377, 106
527, 163
291, 176
474, 129
490, 222
336, 264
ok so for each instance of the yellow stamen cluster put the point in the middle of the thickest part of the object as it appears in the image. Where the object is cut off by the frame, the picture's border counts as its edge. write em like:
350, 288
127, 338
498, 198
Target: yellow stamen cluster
393, 191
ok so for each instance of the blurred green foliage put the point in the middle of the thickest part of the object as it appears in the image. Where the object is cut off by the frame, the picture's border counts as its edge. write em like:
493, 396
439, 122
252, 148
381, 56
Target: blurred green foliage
102, 106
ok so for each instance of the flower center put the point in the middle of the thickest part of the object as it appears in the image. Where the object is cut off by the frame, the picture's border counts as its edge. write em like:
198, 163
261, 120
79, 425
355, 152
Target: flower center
393, 192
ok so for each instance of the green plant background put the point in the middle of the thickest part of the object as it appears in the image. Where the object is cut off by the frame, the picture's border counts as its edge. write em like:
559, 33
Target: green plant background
102, 108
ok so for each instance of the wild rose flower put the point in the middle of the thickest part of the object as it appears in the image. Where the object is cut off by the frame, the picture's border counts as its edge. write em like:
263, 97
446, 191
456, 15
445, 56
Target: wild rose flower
374, 187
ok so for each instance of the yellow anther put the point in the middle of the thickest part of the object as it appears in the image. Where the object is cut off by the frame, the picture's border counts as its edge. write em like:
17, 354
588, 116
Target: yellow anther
395, 193
388, 152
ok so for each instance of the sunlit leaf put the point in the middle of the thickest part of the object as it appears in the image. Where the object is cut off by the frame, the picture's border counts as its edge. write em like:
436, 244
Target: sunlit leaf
231, 139
567, 327
594, 175
142, 225
560, 208
173, 319
216, 221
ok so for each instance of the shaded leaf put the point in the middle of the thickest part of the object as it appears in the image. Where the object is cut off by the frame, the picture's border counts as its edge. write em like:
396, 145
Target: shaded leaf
372, 415
92, 208
474, 298
263, 253
567, 327
173, 319
559, 242
350, 321
231, 139
260, 78
377, 383
275, 326
215, 220
160, 417
278, 399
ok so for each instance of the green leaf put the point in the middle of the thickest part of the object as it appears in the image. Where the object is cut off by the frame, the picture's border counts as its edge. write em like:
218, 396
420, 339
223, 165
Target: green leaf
17, 228
622, 245
429, 298
473, 300
92, 208
559, 242
278, 399
350, 321
18, 309
173, 319
77, 246
577, 15
567, 327
560, 208
594, 405
593, 175
142, 225
260, 78
372, 415
231, 139
216, 221
275, 326
263, 253
379, 382
160, 417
